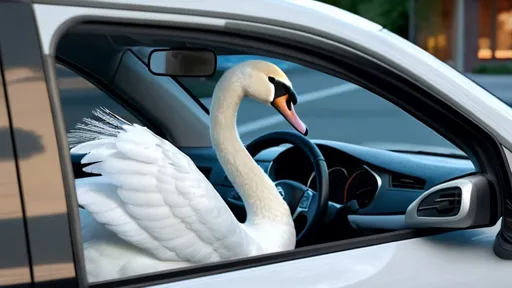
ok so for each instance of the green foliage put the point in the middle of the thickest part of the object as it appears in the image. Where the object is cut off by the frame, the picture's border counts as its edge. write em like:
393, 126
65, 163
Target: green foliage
391, 14
349, 5
497, 69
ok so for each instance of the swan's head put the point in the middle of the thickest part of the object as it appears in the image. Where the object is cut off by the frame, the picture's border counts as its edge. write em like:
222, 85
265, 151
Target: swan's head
267, 83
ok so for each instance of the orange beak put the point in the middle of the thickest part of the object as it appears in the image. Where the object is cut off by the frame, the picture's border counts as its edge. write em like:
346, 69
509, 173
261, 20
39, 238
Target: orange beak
284, 105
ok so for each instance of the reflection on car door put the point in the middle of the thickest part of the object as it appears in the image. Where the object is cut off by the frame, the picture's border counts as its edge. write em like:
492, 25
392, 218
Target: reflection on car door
14, 262
36, 148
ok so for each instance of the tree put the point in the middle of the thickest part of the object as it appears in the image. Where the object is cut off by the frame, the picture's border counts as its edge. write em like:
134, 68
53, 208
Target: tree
391, 14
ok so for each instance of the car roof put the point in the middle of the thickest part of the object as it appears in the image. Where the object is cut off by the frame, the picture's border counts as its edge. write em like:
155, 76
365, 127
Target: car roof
295, 12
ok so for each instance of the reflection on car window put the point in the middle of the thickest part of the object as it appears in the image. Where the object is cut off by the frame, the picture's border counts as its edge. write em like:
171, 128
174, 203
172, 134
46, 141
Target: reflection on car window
332, 108
79, 98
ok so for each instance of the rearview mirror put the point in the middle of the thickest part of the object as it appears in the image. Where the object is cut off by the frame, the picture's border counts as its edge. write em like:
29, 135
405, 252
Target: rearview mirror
461, 203
182, 63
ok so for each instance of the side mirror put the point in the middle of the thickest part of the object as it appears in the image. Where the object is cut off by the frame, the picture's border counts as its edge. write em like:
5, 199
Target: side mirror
182, 62
460, 203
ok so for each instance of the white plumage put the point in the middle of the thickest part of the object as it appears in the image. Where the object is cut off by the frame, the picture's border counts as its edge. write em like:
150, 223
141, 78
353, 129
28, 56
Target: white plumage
152, 196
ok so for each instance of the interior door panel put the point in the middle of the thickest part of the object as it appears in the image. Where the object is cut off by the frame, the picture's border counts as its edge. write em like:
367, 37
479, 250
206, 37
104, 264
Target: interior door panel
444, 260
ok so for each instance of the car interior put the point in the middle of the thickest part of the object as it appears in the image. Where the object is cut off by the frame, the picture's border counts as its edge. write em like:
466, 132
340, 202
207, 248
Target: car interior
370, 189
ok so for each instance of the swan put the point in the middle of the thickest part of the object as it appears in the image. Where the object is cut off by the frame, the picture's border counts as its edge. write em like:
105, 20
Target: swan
151, 209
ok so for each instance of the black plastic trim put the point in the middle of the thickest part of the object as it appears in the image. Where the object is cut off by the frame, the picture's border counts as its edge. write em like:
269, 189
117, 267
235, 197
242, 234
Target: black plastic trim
194, 97
59, 283
430, 207
67, 171
503, 242
503, 246
394, 177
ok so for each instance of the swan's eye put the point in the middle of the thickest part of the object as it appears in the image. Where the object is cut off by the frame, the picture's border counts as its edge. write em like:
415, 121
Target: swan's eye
271, 79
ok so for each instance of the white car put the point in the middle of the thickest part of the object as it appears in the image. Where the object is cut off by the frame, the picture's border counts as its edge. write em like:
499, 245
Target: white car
417, 186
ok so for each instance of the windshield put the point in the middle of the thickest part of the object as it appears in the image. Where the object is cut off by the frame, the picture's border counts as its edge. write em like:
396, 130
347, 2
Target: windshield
332, 108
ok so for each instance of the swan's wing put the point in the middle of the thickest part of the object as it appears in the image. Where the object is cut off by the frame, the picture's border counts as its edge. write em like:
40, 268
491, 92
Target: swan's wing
153, 196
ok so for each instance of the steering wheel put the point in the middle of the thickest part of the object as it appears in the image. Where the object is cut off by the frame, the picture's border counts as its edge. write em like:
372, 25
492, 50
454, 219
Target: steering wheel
300, 199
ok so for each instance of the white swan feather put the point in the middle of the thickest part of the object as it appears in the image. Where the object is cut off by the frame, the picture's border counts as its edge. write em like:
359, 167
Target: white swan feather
151, 209
153, 196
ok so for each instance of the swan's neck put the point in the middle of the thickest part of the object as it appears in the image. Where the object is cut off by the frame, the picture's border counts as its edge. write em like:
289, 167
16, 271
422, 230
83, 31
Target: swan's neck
261, 199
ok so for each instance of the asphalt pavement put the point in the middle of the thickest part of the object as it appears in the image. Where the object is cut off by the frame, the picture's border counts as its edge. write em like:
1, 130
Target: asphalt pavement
336, 110
332, 109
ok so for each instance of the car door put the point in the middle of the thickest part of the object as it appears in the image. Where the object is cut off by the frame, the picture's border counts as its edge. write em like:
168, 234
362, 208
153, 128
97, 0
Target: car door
378, 262
14, 261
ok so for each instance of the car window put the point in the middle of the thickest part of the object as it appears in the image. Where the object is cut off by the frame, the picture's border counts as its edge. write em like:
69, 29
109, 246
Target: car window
127, 231
349, 113
79, 97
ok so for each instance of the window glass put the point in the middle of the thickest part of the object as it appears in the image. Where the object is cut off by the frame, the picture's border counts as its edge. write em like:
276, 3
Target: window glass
80, 97
349, 113
159, 225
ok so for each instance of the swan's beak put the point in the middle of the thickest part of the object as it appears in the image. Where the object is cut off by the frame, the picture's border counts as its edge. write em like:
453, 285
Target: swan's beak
284, 100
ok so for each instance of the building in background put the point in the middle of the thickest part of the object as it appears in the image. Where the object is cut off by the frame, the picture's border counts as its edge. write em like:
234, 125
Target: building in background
471, 35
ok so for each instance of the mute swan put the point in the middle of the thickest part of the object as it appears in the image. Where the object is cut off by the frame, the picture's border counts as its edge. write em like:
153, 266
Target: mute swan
152, 209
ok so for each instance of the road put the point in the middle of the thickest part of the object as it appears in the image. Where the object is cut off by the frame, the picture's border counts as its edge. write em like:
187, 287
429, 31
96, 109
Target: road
331, 108
336, 110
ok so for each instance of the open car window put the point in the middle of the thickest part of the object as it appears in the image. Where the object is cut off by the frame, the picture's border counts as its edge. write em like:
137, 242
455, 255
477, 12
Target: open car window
334, 110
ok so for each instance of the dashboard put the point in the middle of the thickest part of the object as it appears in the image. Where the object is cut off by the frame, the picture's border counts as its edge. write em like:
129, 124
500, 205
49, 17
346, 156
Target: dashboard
382, 182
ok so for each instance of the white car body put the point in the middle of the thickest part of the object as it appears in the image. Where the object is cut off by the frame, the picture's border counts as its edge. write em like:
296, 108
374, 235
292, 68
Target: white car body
462, 258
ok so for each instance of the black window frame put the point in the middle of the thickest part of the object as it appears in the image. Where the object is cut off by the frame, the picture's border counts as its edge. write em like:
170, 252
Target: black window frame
359, 70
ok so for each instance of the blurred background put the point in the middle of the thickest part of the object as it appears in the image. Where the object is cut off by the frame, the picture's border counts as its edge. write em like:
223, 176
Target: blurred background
474, 36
